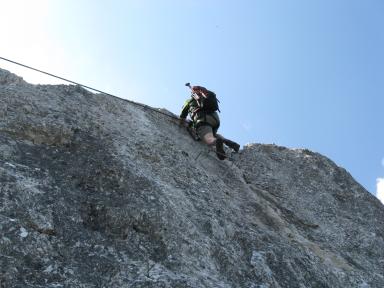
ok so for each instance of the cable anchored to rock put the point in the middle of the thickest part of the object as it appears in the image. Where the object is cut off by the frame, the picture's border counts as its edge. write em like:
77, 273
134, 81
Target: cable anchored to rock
174, 117
89, 87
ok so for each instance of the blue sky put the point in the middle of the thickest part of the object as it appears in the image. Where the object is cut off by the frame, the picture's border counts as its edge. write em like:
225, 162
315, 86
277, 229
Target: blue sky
297, 73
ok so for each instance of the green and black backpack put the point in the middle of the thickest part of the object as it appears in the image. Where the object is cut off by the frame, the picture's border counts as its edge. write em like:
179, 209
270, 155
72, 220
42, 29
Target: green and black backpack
206, 99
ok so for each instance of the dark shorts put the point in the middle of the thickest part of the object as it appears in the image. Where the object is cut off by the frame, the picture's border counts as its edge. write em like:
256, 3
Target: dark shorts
206, 123
203, 130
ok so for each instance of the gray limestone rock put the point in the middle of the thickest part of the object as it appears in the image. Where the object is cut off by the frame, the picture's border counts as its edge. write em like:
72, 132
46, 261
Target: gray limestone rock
100, 192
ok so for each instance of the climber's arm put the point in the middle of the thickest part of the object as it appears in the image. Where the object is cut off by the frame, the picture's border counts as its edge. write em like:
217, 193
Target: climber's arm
185, 109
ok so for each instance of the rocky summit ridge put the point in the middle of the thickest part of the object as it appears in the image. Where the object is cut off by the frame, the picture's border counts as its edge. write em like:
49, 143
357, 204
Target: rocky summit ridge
99, 192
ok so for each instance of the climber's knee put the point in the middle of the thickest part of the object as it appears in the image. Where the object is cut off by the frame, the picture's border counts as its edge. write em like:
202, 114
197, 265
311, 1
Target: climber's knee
206, 134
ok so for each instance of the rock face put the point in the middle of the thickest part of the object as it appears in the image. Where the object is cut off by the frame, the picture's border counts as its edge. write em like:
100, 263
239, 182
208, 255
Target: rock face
98, 192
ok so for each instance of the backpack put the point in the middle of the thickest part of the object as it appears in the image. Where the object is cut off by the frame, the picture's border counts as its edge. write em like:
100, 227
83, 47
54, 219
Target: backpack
206, 99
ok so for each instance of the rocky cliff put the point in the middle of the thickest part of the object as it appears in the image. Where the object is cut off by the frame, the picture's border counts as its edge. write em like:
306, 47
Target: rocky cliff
98, 192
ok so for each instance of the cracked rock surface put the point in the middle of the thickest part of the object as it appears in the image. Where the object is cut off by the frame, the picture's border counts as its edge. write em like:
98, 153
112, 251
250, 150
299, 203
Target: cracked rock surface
99, 192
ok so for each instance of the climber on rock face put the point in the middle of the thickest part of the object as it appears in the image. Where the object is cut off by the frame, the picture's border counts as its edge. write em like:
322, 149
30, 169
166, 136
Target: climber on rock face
202, 108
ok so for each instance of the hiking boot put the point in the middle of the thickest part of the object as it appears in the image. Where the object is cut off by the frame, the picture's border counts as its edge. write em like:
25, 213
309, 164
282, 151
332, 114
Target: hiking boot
232, 145
220, 149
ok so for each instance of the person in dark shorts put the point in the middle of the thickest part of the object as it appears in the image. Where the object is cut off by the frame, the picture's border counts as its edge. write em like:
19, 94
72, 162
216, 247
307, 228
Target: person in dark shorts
202, 109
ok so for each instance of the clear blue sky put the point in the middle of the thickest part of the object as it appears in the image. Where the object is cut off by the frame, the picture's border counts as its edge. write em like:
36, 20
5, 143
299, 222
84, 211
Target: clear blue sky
298, 73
